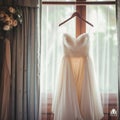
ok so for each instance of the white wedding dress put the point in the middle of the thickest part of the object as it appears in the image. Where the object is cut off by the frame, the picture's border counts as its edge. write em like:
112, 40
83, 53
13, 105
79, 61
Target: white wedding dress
77, 95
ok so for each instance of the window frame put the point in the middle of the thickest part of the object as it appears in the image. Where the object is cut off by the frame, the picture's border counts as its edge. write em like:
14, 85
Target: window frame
81, 28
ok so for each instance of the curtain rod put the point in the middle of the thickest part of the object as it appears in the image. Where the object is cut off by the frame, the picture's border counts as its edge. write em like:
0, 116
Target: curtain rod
79, 3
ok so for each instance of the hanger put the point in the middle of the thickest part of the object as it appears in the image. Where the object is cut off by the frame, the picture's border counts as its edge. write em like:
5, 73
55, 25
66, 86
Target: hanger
79, 16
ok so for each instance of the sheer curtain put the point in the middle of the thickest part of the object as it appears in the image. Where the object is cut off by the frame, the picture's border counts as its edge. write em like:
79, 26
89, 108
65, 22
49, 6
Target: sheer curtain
104, 49
104, 44
51, 50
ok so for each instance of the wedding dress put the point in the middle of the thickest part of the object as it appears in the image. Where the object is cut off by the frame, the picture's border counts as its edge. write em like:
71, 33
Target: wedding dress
77, 95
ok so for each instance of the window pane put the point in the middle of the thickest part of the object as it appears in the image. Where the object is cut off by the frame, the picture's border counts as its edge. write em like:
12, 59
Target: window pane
104, 46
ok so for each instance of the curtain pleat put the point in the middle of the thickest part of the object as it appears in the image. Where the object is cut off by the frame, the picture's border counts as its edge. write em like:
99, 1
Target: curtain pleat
2, 54
5, 84
24, 85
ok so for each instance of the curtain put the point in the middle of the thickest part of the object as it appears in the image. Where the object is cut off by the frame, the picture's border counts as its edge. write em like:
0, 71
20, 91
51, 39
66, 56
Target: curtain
103, 40
104, 50
28, 3
51, 50
24, 84
118, 37
5, 82
19, 98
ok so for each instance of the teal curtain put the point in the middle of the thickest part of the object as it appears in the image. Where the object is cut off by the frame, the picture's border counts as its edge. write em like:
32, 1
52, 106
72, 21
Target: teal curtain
23, 87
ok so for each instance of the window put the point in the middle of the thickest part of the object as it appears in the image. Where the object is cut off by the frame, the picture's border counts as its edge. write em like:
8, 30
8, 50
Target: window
104, 32
102, 36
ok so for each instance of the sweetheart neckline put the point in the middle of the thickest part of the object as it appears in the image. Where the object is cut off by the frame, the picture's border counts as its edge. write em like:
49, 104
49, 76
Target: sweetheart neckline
80, 41
83, 35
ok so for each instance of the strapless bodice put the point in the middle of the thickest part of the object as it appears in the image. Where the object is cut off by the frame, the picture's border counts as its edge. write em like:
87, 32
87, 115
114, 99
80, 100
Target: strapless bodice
76, 47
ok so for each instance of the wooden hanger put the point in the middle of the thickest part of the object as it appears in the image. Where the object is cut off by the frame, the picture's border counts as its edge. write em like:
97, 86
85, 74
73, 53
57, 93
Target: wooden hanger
74, 15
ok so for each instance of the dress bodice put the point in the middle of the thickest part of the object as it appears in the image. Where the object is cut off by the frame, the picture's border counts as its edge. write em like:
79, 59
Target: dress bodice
76, 47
